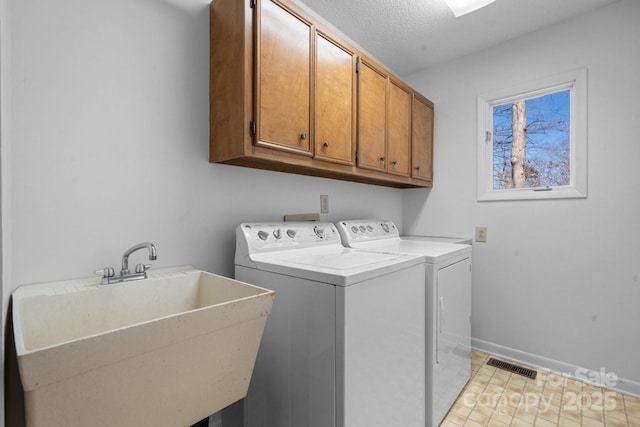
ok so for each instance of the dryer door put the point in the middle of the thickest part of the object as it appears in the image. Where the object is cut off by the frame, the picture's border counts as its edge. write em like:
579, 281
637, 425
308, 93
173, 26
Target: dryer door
453, 335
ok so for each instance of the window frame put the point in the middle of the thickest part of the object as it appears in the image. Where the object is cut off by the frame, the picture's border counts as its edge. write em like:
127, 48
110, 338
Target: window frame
576, 83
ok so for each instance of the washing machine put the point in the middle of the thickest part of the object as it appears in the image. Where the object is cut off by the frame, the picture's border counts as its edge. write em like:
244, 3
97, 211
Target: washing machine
344, 344
448, 305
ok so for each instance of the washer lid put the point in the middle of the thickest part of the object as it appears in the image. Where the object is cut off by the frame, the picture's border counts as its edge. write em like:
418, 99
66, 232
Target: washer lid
345, 260
341, 267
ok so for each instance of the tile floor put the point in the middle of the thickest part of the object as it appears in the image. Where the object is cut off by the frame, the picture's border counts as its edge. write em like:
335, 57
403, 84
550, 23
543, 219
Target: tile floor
498, 398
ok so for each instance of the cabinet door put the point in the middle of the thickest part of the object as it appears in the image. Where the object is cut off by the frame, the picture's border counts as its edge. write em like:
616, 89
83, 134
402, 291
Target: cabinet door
422, 141
372, 116
399, 132
284, 77
334, 138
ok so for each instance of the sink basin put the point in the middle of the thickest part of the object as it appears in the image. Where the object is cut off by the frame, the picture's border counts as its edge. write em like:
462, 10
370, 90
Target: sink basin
167, 350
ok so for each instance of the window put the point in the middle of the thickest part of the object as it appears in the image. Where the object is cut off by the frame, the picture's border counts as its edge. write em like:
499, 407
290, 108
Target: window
532, 140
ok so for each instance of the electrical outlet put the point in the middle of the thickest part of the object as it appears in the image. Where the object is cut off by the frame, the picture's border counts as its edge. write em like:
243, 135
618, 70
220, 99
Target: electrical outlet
481, 234
324, 203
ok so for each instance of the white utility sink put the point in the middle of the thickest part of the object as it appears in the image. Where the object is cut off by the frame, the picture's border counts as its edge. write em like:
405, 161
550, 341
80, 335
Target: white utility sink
168, 350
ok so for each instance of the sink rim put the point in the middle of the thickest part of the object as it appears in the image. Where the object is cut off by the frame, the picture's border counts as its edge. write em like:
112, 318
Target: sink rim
88, 284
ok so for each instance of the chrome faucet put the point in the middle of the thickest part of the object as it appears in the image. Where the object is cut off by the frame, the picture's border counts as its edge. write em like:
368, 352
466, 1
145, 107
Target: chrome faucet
125, 258
108, 273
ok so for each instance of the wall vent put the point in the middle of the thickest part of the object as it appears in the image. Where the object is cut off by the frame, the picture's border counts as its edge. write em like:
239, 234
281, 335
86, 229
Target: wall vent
525, 372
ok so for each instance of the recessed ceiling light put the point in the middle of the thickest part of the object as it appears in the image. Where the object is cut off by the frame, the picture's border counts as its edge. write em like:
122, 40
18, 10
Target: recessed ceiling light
462, 7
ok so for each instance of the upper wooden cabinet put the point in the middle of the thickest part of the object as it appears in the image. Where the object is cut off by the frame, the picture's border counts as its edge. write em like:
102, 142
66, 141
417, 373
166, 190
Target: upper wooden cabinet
384, 121
285, 95
335, 101
284, 79
422, 139
372, 117
399, 129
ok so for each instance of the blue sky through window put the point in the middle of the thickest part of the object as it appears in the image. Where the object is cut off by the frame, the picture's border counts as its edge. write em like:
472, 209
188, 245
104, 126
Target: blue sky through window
548, 141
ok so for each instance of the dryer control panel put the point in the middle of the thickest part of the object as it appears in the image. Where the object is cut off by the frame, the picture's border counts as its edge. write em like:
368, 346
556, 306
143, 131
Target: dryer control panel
367, 229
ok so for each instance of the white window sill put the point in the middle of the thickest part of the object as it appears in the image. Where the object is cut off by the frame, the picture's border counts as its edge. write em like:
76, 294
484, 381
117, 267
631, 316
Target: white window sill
532, 194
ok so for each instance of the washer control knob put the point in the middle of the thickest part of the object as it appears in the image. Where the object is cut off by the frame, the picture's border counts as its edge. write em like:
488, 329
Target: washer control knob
362, 229
319, 232
291, 233
354, 229
369, 228
277, 233
385, 227
263, 235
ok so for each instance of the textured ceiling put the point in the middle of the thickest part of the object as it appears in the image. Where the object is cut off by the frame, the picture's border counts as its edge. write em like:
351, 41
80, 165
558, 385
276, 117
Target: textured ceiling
410, 35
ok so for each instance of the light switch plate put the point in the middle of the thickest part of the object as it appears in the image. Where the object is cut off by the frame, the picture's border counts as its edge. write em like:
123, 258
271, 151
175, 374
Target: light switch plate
324, 203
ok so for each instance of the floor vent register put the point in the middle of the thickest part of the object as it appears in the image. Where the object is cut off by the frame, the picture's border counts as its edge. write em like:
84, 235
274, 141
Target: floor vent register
525, 372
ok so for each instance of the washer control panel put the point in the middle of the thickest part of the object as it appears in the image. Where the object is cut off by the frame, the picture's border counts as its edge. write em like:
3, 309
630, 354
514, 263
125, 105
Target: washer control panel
366, 229
285, 235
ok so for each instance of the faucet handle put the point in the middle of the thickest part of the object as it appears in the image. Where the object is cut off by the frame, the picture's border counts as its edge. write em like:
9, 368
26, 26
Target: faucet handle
141, 268
106, 272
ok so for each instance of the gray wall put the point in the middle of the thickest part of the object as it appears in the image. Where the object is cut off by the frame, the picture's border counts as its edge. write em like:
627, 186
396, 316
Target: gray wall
558, 282
106, 145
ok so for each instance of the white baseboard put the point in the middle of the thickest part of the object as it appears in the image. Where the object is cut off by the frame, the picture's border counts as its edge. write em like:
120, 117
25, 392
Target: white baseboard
620, 385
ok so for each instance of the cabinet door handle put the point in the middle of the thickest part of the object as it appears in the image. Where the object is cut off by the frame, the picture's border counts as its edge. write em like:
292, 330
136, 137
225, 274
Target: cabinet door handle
418, 167
395, 162
325, 144
382, 158
303, 136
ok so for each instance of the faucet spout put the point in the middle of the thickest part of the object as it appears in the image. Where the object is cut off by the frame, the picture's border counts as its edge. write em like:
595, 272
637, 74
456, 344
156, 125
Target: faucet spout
125, 256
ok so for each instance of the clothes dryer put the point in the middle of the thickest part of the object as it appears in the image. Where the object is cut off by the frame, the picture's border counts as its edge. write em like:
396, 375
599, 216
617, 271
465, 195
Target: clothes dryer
344, 344
448, 305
